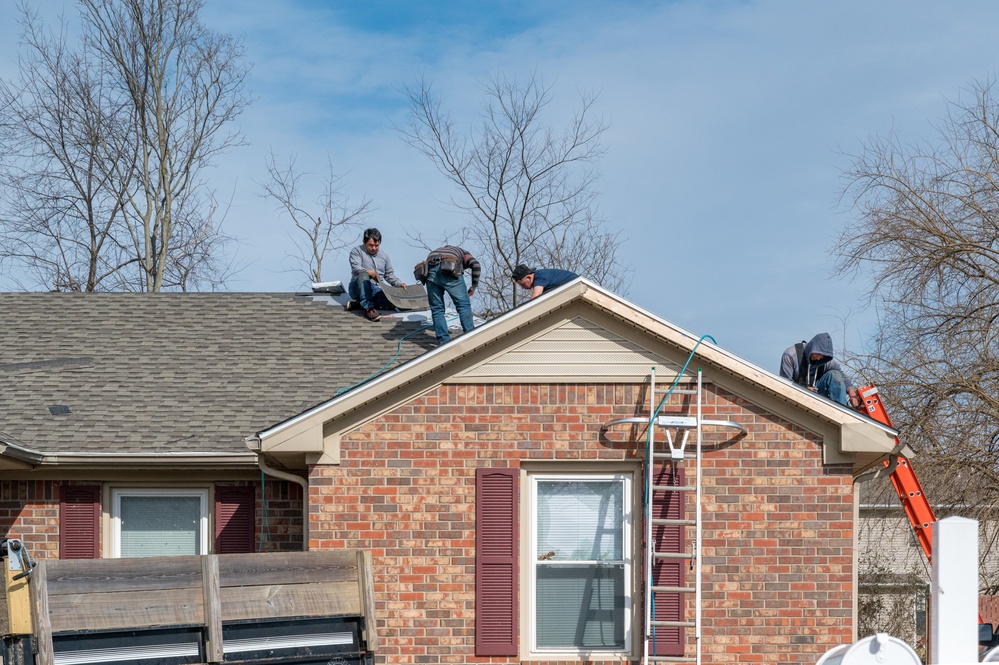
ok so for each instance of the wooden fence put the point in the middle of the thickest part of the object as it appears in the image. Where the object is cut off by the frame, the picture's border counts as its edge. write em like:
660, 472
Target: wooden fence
229, 608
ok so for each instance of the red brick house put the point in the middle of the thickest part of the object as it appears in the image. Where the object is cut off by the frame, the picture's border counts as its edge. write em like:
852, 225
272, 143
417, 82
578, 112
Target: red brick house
502, 504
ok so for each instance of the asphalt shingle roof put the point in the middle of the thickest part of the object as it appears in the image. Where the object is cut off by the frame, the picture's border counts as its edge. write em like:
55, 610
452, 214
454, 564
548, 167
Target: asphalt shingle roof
179, 372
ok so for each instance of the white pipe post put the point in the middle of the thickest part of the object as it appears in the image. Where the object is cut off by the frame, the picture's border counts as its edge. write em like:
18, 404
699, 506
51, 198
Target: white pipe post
954, 589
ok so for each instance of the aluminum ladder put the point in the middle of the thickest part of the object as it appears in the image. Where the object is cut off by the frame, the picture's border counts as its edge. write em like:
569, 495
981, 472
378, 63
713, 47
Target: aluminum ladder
677, 430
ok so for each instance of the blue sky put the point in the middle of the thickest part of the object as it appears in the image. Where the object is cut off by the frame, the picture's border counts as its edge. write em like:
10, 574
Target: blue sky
729, 126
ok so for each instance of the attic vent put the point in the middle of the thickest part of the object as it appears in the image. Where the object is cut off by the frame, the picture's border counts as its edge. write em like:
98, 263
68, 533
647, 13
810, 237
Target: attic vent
59, 409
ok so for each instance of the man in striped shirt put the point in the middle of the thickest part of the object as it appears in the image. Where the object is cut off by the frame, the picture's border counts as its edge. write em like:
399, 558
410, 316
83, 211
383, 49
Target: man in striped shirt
445, 274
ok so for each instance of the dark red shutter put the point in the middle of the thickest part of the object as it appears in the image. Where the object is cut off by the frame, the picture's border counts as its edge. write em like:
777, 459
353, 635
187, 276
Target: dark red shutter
496, 570
234, 519
668, 572
79, 521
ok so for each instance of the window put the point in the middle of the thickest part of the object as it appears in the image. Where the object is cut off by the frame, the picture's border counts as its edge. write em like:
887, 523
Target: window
581, 568
159, 522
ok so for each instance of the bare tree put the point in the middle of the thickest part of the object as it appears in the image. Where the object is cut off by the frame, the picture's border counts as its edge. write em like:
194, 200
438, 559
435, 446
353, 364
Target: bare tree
63, 218
104, 143
327, 225
926, 234
527, 187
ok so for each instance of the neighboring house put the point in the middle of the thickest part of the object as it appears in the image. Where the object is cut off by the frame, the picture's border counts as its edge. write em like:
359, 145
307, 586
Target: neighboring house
502, 508
894, 573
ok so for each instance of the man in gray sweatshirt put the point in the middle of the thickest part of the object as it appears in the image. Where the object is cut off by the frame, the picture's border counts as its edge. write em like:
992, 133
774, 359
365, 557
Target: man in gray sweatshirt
369, 265
820, 372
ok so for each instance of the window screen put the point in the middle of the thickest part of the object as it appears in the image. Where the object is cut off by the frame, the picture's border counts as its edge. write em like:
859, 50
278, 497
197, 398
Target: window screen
581, 566
149, 524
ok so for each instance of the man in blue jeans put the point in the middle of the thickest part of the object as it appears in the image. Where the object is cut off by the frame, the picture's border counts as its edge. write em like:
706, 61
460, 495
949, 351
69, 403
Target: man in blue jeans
445, 274
369, 265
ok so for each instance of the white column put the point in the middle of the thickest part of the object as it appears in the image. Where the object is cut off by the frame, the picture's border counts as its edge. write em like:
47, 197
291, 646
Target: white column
954, 626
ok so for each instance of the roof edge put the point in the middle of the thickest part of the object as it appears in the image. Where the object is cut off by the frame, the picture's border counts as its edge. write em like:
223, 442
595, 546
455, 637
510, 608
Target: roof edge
206, 460
580, 289
498, 327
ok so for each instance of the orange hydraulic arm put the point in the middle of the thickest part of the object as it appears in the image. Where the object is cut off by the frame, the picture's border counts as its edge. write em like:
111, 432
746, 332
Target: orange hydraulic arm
903, 478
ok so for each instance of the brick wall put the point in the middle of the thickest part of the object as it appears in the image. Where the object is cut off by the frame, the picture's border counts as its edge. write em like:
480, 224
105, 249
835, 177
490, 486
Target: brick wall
778, 536
778, 546
29, 510
281, 524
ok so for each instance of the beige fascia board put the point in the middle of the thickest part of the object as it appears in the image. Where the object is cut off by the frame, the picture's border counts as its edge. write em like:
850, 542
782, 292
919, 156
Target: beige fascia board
858, 438
305, 437
14, 457
38, 459
146, 475
173, 460
17, 454
603, 378
10, 464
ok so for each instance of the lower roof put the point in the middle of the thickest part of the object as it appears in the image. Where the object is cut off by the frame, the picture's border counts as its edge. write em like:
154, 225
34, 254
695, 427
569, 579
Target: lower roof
179, 376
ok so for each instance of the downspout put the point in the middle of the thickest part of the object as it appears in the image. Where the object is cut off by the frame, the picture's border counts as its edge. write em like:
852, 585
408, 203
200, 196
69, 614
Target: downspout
284, 475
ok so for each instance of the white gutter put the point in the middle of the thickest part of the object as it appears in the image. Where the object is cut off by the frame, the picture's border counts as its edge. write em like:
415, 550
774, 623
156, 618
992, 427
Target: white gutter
187, 459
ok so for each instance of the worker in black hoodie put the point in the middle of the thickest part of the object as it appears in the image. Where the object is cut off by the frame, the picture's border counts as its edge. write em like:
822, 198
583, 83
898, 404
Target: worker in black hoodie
820, 372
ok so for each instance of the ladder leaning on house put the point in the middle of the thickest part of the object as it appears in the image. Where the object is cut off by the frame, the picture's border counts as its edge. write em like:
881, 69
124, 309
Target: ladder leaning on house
666, 481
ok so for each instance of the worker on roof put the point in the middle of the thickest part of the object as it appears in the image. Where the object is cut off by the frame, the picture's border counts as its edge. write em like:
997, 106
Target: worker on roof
369, 266
446, 274
819, 371
537, 281
790, 360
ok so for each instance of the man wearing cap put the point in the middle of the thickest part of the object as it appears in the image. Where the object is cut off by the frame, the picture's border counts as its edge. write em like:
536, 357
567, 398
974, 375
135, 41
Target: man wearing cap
542, 279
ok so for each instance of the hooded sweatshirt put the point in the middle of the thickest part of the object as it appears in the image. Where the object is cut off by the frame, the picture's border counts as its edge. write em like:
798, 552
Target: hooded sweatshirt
810, 372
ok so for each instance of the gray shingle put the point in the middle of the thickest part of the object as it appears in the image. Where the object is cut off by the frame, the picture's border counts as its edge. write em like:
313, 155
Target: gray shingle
182, 372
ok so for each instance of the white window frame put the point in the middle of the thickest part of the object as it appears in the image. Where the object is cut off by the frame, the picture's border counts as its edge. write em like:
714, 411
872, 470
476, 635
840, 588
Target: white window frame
627, 552
117, 493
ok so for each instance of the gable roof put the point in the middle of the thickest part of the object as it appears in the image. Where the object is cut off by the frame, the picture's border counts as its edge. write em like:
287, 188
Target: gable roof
577, 333
175, 378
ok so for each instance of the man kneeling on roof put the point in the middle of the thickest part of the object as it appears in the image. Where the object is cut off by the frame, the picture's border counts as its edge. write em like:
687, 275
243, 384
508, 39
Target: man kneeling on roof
369, 266
817, 370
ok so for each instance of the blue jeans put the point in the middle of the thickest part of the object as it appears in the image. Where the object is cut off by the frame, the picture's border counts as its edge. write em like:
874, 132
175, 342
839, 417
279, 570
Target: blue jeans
367, 291
439, 284
833, 385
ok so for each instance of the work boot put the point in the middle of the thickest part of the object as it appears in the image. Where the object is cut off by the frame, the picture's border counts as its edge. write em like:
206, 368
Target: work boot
372, 314
352, 304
